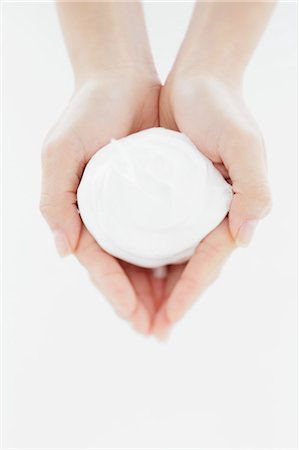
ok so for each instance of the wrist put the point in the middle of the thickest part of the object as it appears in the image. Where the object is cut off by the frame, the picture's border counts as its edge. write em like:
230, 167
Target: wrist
115, 59
189, 73
221, 38
208, 65
104, 38
194, 83
119, 73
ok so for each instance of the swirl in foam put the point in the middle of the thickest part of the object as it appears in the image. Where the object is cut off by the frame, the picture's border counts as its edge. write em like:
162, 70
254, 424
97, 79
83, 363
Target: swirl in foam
151, 197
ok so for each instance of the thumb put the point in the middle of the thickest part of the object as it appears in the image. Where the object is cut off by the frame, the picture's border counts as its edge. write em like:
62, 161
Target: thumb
252, 198
62, 167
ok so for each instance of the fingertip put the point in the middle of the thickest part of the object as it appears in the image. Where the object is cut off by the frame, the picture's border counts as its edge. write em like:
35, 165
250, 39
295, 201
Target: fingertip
119, 292
163, 337
242, 230
234, 224
246, 232
161, 326
174, 312
125, 310
65, 225
140, 320
62, 243
126, 304
245, 213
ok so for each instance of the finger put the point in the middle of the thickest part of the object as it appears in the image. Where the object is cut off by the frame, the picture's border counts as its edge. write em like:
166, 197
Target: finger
62, 167
144, 313
246, 164
157, 286
201, 270
223, 170
141, 284
161, 325
140, 319
107, 274
175, 271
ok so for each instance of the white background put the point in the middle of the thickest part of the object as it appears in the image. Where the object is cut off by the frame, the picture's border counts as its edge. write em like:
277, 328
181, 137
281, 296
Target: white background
74, 374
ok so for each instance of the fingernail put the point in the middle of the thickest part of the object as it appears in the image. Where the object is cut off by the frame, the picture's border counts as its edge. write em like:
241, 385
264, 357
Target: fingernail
62, 243
246, 232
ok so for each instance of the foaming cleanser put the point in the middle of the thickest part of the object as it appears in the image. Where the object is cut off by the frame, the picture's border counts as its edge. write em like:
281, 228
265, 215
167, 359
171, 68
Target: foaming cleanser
151, 197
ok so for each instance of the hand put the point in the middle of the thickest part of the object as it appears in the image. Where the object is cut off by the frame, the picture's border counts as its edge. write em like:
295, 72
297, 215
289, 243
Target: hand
101, 108
213, 115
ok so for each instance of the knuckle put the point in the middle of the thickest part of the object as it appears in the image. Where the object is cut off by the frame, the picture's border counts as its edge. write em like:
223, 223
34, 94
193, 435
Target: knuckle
54, 148
267, 201
245, 135
51, 156
50, 150
253, 138
208, 248
61, 151
45, 206
249, 142
263, 195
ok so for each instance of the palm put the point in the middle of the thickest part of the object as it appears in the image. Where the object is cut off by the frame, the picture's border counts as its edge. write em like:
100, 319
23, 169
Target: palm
95, 114
189, 113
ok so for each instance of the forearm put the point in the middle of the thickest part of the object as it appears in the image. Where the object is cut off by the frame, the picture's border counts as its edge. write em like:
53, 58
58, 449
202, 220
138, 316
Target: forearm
222, 36
106, 36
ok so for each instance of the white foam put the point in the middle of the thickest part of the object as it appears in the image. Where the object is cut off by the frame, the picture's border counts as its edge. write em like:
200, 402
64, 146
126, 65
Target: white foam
151, 197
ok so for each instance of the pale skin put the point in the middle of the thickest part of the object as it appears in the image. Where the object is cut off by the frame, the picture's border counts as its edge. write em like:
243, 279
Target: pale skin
117, 92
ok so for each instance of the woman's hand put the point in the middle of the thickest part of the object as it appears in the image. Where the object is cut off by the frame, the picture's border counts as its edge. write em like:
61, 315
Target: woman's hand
212, 113
101, 108
117, 93
202, 98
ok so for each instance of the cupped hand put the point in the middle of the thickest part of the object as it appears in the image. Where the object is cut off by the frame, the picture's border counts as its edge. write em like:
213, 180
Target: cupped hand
215, 118
100, 109
212, 113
